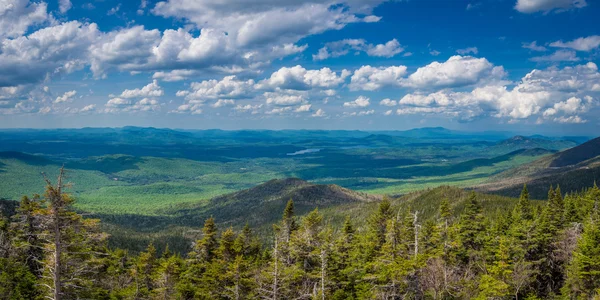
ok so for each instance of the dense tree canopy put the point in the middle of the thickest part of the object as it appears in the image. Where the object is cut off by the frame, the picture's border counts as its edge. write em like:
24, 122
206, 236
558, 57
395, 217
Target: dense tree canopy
528, 252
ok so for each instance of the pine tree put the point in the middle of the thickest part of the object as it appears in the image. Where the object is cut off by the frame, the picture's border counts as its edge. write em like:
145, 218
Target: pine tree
288, 221
166, 277
144, 268
71, 245
378, 222
523, 207
26, 227
471, 226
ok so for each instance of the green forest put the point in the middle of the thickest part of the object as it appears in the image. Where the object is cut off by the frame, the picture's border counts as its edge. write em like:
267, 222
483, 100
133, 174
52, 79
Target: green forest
532, 250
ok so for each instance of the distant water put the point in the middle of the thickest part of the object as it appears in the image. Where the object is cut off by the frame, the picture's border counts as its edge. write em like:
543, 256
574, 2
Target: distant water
304, 151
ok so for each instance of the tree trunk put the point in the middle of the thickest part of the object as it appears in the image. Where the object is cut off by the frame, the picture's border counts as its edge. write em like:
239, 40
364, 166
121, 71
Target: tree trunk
276, 271
56, 204
323, 266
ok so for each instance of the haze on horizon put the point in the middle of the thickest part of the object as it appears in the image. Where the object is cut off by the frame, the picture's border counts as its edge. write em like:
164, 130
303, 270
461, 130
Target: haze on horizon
525, 66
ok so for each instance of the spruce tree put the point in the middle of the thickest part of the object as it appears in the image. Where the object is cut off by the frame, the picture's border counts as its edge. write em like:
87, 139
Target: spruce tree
523, 207
583, 274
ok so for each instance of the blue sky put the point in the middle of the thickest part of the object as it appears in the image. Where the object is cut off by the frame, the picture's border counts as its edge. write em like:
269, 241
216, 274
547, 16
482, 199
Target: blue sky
519, 65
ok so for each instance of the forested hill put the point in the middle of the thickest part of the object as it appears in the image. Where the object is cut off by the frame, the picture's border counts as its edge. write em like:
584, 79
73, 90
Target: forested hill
450, 250
572, 169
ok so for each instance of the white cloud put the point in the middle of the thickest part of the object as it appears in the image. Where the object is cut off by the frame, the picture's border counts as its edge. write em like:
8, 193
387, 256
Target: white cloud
389, 112
269, 21
150, 90
229, 87
539, 93
581, 44
560, 55
437, 98
299, 78
319, 113
532, 6
570, 119
372, 78
88, 108
174, 75
254, 109
64, 5
279, 110
283, 100
114, 10
359, 113
468, 50
388, 49
533, 46
223, 102
343, 47
455, 72
118, 102
388, 102
47, 52
361, 101
194, 109
16, 16
303, 108
435, 52
66, 97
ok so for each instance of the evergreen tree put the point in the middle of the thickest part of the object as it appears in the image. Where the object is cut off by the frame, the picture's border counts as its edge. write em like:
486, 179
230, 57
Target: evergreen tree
471, 226
583, 274
71, 245
523, 207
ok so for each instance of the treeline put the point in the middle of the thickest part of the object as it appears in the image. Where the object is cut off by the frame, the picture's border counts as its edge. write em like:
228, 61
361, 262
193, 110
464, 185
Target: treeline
530, 252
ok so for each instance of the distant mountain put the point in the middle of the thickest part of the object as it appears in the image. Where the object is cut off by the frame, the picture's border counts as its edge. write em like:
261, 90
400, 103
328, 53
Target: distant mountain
522, 142
572, 169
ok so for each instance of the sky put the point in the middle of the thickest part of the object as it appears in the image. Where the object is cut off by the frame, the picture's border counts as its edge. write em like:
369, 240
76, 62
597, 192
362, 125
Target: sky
518, 65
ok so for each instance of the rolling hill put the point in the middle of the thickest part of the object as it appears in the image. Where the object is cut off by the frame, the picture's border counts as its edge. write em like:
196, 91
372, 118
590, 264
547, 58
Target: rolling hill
264, 202
521, 142
572, 169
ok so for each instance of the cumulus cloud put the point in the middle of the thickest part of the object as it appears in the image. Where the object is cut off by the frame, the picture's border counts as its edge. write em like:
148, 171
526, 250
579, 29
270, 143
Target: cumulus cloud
230, 87
551, 94
268, 21
320, 113
299, 78
283, 100
223, 102
455, 72
570, 106
303, 108
533, 6
361, 101
16, 16
49, 51
253, 109
388, 49
388, 102
174, 75
581, 44
66, 97
194, 109
150, 90
373, 78
343, 47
